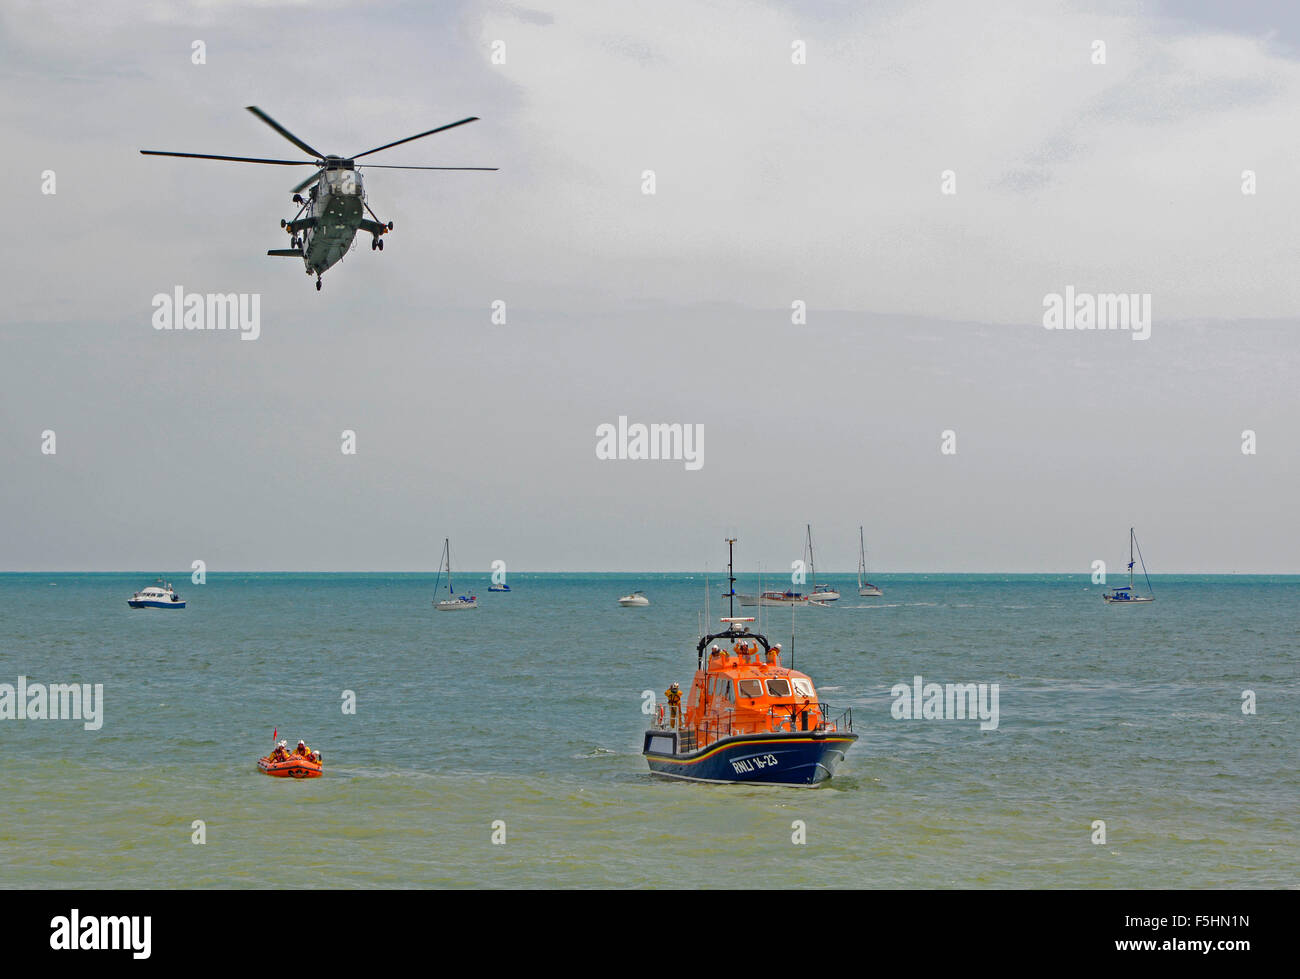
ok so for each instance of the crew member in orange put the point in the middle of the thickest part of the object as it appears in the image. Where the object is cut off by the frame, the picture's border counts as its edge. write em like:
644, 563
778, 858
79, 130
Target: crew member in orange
674, 695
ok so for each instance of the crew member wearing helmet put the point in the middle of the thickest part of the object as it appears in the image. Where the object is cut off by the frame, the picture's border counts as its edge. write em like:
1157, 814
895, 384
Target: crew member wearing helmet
302, 750
674, 695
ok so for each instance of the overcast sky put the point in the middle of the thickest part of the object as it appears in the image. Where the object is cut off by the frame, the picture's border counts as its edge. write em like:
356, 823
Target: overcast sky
774, 182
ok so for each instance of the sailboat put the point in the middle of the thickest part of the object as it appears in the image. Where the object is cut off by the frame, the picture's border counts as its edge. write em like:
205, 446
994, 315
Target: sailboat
865, 588
453, 602
1124, 594
820, 593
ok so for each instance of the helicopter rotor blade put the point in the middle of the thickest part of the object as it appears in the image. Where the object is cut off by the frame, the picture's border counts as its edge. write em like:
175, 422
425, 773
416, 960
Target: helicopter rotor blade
386, 166
308, 182
450, 125
284, 132
234, 159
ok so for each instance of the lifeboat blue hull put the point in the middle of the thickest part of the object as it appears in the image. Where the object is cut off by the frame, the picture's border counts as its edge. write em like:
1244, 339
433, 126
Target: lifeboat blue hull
798, 758
136, 604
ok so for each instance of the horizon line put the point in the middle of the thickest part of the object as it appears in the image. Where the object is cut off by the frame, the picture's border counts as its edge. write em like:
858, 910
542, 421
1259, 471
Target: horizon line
489, 572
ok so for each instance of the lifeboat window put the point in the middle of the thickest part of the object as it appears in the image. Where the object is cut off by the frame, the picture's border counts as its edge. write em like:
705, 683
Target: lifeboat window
803, 687
750, 688
726, 690
778, 687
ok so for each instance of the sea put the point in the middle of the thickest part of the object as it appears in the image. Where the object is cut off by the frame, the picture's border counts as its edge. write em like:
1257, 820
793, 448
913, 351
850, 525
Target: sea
1152, 746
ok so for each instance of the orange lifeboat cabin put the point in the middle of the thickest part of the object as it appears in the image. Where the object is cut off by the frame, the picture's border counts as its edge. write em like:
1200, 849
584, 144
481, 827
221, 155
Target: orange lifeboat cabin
747, 718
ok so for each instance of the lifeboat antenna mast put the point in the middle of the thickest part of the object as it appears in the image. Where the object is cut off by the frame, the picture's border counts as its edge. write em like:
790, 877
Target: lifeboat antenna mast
731, 577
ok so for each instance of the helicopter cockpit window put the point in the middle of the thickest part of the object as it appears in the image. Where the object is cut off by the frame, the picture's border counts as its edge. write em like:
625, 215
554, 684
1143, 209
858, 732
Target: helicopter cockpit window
342, 181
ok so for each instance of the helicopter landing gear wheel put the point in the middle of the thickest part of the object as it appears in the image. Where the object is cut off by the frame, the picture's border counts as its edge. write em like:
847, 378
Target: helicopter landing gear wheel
380, 244
318, 283
374, 243
283, 222
390, 225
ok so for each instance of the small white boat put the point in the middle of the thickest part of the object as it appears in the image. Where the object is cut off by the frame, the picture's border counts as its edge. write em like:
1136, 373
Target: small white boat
453, 602
865, 588
498, 587
634, 600
161, 595
820, 593
1124, 594
768, 598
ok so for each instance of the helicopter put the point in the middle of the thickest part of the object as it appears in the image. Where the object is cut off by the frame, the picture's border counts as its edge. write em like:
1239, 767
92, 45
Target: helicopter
330, 216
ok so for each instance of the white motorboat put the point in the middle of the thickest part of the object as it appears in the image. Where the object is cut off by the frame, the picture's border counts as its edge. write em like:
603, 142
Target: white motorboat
774, 598
161, 595
453, 602
635, 600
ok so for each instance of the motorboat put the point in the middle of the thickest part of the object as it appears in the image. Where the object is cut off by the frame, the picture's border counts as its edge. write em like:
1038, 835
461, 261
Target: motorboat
768, 598
161, 595
635, 600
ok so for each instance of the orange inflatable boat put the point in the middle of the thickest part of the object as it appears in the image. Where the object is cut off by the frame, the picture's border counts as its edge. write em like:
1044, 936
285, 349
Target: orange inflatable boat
290, 768
283, 763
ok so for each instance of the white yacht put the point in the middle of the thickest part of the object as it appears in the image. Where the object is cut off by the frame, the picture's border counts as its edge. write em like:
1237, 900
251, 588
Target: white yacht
774, 598
453, 602
634, 600
820, 593
161, 595
865, 588
1124, 594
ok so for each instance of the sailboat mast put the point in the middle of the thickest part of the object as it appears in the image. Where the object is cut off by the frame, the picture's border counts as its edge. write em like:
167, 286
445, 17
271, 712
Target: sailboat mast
862, 557
812, 563
1130, 559
446, 543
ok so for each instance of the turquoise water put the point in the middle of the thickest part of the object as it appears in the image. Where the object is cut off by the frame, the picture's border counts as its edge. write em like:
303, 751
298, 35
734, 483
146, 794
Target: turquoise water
529, 711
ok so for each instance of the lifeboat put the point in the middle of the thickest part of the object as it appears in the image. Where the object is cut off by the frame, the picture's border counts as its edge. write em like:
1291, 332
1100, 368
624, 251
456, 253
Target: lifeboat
747, 718
285, 764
